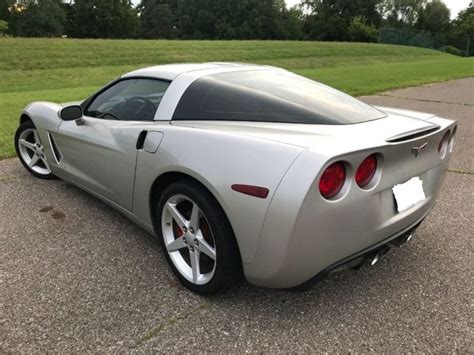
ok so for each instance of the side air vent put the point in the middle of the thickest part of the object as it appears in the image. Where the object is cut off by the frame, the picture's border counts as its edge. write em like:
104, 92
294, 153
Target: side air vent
57, 154
412, 134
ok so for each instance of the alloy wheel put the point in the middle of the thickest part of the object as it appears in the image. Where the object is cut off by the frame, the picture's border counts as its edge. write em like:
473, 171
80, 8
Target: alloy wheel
32, 152
189, 239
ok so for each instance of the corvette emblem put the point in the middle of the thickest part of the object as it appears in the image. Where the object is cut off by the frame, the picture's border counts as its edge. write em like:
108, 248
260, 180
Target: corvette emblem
417, 150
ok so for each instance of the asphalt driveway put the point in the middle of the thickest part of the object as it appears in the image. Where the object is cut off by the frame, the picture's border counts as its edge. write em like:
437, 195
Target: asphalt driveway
76, 276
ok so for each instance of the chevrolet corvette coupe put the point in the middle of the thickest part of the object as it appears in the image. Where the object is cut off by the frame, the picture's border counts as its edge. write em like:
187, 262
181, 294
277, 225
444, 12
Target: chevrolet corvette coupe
245, 170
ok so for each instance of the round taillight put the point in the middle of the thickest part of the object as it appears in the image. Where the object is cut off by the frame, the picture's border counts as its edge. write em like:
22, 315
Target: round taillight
332, 180
443, 142
366, 171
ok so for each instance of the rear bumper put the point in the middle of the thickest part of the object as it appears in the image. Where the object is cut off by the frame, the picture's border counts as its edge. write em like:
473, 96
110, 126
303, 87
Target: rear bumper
362, 257
313, 263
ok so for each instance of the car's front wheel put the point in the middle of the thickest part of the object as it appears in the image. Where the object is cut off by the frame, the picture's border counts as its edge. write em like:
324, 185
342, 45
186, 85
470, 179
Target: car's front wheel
197, 238
30, 151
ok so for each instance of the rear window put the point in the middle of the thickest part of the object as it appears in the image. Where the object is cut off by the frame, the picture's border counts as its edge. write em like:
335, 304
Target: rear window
270, 96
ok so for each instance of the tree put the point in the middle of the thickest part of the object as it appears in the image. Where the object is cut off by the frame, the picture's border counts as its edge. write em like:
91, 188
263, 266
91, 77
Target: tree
4, 9
463, 25
41, 18
224, 19
401, 13
196, 19
330, 19
434, 17
3, 27
293, 22
104, 19
361, 31
156, 19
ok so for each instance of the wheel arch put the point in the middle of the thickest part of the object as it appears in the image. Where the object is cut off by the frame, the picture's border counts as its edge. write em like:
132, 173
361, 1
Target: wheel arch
24, 118
165, 179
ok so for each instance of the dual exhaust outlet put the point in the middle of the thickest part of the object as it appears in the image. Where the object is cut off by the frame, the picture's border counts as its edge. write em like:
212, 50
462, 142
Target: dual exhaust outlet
374, 256
398, 242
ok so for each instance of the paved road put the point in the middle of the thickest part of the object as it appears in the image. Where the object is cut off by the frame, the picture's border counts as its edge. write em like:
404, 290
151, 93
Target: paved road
76, 276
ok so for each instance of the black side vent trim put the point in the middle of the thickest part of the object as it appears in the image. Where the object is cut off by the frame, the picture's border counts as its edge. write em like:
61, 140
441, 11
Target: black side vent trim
57, 154
413, 134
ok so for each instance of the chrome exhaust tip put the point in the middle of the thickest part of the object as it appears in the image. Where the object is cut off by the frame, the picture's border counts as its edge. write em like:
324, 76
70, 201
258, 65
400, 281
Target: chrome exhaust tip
375, 260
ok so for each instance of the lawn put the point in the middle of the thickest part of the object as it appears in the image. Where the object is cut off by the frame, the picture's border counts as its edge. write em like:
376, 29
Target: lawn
65, 70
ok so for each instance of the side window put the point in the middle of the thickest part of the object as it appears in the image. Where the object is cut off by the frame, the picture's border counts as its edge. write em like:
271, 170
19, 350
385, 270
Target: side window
129, 100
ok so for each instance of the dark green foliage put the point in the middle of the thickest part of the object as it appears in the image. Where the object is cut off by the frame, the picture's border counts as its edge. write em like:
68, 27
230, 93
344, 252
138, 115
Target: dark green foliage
464, 23
41, 18
293, 23
3, 27
361, 31
452, 50
401, 13
103, 19
330, 20
239, 19
326, 20
4, 6
434, 17
156, 19
463, 26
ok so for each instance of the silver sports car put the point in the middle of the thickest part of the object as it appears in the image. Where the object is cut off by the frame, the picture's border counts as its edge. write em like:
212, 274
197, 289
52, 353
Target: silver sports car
245, 170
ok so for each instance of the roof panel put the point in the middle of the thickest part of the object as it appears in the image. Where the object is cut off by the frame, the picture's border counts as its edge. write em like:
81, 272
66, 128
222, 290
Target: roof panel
171, 71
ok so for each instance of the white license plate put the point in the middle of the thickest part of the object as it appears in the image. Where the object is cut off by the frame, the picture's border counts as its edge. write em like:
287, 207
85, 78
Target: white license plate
408, 193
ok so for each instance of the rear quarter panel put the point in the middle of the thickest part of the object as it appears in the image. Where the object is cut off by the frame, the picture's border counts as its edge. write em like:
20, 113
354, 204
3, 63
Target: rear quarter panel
218, 160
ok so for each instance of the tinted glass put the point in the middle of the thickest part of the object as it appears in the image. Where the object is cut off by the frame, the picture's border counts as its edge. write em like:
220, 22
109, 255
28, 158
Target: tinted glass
270, 96
129, 100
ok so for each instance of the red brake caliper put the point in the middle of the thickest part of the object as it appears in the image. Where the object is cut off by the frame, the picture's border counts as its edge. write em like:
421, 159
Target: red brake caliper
177, 230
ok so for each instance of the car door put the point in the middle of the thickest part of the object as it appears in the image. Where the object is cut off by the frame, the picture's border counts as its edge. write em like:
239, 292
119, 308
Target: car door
99, 151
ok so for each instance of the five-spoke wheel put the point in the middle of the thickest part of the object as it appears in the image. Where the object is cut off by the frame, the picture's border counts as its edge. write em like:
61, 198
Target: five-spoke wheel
189, 240
30, 150
197, 238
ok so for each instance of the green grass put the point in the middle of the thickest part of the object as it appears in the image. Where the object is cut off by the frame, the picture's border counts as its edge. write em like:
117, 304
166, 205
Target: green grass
62, 70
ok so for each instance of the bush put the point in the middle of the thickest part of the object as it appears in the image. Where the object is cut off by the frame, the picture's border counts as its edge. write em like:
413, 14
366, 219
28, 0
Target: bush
44, 18
361, 31
422, 39
453, 50
3, 27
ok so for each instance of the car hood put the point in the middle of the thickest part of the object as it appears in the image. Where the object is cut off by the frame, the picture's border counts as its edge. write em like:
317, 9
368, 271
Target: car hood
309, 136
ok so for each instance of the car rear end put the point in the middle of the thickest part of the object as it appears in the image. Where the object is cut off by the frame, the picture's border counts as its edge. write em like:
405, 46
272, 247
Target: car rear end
314, 222
350, 197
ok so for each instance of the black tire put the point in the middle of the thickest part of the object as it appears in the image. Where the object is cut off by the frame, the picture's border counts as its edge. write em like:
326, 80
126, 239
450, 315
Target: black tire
24, 126
228, 268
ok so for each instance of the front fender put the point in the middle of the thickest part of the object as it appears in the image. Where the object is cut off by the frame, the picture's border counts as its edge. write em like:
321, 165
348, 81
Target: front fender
44, 115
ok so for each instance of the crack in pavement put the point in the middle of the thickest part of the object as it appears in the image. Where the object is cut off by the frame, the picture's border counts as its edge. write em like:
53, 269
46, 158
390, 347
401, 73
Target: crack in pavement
8, 178
426, 100
461, 172
152, 333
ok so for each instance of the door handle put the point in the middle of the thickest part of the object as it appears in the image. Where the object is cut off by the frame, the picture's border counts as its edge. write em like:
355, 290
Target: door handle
141, 139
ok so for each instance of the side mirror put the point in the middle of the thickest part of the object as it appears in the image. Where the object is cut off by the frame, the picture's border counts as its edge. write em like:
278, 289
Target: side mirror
71, 113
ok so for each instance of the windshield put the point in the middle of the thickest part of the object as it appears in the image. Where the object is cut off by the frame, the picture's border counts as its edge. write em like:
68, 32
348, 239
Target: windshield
270, 96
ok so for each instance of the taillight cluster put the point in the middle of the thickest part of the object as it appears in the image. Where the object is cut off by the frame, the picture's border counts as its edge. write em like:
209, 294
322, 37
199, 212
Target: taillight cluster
366, 171
446, 143
333, 178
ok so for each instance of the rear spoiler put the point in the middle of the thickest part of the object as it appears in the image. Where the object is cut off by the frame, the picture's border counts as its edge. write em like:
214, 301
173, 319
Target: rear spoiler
417, 133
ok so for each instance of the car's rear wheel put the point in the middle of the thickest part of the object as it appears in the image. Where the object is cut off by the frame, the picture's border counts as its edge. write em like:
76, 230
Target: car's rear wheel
197, 238
30, 151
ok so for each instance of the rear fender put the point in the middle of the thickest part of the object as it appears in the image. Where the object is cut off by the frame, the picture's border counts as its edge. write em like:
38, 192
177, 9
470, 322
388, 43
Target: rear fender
218, 160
